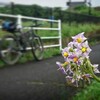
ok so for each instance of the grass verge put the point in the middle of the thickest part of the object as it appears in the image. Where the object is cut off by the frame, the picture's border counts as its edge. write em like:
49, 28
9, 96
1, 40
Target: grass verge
91, 92
26, 57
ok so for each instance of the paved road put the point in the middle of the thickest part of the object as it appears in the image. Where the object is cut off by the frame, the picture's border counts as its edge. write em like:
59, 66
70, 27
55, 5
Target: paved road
38, 80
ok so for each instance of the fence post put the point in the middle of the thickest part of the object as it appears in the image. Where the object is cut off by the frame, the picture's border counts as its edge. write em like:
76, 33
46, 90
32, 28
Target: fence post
60, 37
19, 21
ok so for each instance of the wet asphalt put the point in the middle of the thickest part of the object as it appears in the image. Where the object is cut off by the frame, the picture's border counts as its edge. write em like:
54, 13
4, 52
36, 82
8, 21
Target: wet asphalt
38, 80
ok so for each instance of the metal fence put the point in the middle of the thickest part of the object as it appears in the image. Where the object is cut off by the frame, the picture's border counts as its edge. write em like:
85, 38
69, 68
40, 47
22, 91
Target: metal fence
58, 29
79, 18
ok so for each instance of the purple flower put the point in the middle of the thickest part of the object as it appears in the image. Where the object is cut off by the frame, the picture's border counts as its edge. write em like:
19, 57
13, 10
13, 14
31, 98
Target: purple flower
79, 38
61, 68
95, 68
76, 56
71, 44
65, 52
84, 49
70, 79
86, 77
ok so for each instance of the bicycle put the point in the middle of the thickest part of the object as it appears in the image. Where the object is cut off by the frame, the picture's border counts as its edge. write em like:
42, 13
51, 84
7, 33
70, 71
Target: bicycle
13, 46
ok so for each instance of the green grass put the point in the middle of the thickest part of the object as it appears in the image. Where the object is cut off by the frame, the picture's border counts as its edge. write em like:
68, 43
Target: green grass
51, 52
91, 92
74, 28
47, 54
26, 57
67, 32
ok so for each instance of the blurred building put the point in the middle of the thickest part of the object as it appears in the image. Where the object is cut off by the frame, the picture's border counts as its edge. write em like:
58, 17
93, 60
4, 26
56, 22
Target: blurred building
72, 4
3, 4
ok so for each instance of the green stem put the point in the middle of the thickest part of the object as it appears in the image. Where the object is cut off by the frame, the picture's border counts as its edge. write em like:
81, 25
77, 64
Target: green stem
91, 71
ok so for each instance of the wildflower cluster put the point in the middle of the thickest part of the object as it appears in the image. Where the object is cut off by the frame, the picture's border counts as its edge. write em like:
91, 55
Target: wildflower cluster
77, 65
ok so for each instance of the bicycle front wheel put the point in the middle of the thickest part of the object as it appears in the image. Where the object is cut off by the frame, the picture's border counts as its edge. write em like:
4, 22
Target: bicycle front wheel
9, 50
37, 48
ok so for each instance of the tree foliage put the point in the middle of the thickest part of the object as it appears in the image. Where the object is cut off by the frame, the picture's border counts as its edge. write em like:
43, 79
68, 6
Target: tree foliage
47, 12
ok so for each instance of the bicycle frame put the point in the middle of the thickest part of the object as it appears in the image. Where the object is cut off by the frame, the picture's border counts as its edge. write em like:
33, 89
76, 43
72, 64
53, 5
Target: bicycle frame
24, 38
19, 44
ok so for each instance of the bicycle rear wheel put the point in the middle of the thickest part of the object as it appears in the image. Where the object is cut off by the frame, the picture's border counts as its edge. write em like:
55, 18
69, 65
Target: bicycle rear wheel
37, 48
9, 50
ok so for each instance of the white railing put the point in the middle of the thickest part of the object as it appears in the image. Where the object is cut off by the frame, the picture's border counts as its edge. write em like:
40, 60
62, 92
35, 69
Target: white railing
19, 22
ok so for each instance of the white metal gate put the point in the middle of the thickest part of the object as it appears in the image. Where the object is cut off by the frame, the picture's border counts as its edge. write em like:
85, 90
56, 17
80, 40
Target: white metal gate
19, 22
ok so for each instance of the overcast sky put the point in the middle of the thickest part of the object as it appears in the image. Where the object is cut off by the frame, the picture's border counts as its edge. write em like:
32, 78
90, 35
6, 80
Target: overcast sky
49, 3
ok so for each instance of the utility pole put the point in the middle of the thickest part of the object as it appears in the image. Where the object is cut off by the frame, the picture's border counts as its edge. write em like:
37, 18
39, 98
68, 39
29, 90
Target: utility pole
69, 4
12, 7
89, 3
51, 16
